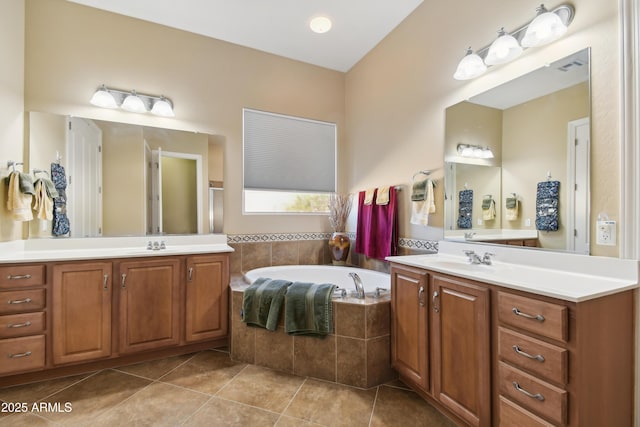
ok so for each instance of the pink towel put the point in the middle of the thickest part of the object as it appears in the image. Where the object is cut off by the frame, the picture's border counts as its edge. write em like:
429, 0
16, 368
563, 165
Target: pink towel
377, 228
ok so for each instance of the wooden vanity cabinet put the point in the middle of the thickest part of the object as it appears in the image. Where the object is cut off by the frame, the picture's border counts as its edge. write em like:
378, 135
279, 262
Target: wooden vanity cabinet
82, 295
207, 296
149, 304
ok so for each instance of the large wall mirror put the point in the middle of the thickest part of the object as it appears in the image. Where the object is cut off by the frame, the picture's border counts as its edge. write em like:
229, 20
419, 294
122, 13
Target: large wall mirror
505, 148
130, 180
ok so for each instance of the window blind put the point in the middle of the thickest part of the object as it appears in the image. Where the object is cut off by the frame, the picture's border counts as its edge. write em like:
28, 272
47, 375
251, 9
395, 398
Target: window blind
288, 153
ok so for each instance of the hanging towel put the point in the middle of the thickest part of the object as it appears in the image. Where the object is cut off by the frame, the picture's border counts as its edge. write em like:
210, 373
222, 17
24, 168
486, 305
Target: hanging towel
42, 203
262, 302
61, 224
377, 227
18, 203
382, 197
465, 209
309, 309
547, 198
488, 209
369, 196
512, 208
419, 190
421, 209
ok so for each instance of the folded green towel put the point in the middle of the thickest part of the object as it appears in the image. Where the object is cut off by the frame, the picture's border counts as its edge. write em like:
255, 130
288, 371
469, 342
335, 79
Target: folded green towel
262, 302
511, 202
309, 310
419, 191
26, 184
486, 203
52, 192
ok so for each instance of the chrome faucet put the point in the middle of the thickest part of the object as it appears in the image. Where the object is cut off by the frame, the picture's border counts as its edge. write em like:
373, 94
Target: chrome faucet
474, 258
358, 283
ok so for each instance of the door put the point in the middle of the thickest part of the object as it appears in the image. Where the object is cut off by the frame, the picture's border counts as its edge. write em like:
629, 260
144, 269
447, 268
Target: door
84, 177
409, 327
81, 311
578, 180
149, 304
461, 348
207, 296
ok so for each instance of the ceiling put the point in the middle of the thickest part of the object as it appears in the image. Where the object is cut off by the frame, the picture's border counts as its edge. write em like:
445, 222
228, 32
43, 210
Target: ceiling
280, 27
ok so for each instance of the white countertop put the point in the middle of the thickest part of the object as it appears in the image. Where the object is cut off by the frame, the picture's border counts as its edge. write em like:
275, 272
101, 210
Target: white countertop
570, 277
69, 249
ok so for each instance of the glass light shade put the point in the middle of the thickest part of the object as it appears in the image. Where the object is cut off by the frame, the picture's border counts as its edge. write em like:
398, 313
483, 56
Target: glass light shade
470, 67
487, 153
504, 49
134, 104
162, 107
103, 98
545, 28
320, 24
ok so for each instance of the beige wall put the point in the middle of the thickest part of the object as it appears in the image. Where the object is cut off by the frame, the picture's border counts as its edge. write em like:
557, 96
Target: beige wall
11, 104
72, 49
473, 124
179, 209
396, 96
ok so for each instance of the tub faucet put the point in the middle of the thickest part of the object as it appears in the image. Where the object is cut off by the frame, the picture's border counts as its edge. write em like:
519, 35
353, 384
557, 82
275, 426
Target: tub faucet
358, 283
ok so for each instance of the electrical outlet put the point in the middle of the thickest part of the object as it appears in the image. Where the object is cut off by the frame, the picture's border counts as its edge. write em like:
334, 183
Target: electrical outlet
527, 222
606, 233
479, 221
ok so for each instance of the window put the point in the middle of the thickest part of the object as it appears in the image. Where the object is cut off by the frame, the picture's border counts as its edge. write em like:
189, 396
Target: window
289, 163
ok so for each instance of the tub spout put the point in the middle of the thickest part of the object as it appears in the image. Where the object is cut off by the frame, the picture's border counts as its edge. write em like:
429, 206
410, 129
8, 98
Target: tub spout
358, 283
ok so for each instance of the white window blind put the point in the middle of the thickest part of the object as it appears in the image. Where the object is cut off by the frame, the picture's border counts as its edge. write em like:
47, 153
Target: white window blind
288, 153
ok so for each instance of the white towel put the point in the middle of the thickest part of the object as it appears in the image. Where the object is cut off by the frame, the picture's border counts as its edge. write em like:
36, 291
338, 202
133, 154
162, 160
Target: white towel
368, 196
18, 203
489, 214
382, 197
511, 214
420, 210
42, 204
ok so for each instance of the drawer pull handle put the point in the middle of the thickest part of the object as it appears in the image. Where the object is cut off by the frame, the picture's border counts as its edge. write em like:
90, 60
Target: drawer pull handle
19, 325
18, 276
19, 301
526, 393
537, 357
538, 317
190, 274
421, 296
434, 300
19, 355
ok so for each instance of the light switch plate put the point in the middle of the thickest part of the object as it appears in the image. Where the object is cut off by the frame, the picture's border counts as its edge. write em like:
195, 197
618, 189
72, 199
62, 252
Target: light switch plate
606, 233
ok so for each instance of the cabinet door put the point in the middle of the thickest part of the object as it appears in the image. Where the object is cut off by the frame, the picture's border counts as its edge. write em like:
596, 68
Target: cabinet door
81, 311
409, 329
207, 297
461, 348
149, 304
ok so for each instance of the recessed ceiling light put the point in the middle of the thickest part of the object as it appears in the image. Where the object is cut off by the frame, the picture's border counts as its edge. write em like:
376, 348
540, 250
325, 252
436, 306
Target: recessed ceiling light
320, 24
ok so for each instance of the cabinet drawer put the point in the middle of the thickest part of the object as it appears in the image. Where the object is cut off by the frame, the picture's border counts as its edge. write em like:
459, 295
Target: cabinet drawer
21, 354
538, 396
543, 359
21, 301
16, 276
18, 325
543, 318
514, 415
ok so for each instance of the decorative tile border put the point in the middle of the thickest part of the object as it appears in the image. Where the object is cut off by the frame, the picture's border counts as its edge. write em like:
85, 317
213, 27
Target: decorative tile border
429, 245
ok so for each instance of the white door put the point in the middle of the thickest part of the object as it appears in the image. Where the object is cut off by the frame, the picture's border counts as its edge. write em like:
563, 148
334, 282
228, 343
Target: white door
156, 191
84, 177
578, 181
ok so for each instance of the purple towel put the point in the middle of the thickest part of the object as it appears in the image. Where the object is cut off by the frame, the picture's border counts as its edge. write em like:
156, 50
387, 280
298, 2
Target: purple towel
377, 228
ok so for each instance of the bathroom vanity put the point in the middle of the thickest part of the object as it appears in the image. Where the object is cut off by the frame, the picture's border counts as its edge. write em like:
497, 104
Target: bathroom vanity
75, 310
534, 339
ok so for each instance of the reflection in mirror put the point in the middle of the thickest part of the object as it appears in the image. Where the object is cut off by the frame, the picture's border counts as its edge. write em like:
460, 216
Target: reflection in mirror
129, 180
537, 127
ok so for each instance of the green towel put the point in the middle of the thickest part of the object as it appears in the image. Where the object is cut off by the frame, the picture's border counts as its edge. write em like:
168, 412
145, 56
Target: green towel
262, 302
24, 181
511, 202
486, 203
309, 309
419, 191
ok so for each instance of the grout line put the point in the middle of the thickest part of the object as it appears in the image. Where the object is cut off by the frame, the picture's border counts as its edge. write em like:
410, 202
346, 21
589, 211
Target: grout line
373, 408
292, 399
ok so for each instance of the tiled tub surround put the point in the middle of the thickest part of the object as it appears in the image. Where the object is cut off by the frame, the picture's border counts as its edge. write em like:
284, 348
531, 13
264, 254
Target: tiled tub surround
356, 354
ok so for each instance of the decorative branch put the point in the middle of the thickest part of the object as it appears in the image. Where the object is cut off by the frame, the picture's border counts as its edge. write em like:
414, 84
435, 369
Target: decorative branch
339, 210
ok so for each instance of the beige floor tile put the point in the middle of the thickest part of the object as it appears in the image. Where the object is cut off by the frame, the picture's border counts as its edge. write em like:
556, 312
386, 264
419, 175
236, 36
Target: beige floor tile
26, 420
157, 405
220, 412
285, 421
332, 404
263, 388
206, 372
398, 407
33, 392
155, 368
93, 396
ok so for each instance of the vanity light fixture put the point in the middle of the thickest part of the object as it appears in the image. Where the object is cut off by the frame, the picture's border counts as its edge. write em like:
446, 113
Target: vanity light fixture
474, 151
470, 67
546, 27
132, 101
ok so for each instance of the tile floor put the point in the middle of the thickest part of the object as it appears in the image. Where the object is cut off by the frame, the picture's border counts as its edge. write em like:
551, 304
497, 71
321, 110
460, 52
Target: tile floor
209, 389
